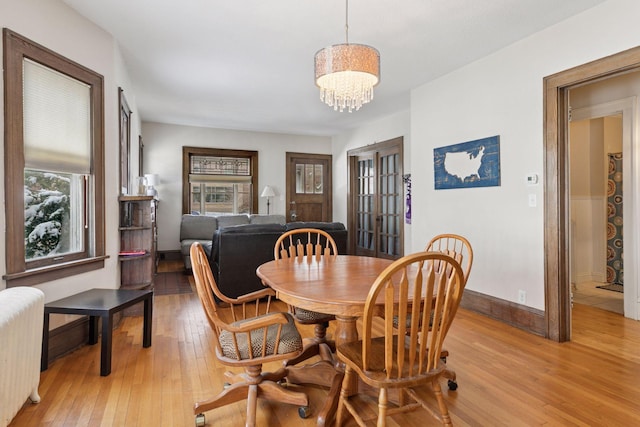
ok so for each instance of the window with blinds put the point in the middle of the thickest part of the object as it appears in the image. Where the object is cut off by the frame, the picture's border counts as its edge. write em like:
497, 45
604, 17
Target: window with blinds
57, 155
55, 181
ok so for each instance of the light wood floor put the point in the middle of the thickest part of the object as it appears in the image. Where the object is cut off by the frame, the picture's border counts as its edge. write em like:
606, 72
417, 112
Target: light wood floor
588, 293
507, 377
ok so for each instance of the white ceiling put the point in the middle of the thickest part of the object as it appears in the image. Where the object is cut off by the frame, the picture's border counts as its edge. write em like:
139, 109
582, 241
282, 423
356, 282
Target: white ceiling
248, 64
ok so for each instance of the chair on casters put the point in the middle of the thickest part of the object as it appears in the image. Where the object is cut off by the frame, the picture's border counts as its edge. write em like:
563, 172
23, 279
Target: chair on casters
248, 343
293, 246
410, 357
317, 243
459, 249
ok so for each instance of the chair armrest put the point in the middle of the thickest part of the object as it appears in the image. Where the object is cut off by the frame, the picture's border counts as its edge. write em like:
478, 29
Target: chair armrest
250, 297
246, 298
263, 321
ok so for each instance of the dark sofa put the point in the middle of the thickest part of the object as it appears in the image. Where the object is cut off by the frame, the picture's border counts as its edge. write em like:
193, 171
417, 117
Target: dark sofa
237, 251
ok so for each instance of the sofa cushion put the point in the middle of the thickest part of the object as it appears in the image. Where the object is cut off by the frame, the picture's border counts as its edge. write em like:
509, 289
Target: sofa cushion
237, 252
251, 228
267, 219
231, 220
197, 226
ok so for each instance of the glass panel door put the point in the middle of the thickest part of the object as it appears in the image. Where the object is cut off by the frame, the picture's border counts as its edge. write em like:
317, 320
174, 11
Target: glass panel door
376, 200
365, 212
390, 207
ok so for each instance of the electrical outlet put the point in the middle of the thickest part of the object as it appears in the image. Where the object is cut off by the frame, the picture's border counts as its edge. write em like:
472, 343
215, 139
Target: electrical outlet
522, 296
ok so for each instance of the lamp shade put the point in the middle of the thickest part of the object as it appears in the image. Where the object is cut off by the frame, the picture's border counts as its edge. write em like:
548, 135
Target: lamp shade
153, 179
267, 191
346, 75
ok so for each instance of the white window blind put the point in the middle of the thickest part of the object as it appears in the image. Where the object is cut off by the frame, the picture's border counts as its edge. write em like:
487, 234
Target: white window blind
193, 178
57, 121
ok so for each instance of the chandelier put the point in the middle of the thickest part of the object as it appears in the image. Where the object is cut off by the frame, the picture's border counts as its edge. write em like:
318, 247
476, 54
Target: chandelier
346, 73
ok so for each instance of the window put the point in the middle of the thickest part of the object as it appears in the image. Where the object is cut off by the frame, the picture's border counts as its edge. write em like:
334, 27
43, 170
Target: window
54, 181
217, 181
309, 179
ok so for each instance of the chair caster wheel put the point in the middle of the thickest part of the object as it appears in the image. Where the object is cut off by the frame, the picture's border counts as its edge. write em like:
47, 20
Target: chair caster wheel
200, 421
453, 386
304, 412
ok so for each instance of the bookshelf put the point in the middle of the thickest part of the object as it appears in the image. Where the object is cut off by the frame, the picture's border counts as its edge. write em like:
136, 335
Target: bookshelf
138, 237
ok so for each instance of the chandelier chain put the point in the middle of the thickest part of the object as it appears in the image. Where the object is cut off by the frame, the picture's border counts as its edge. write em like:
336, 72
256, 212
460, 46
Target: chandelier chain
346, 21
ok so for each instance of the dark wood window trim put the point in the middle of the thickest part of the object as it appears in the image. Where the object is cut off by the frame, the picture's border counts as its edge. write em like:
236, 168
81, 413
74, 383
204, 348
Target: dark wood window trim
125, 143
187, 152
16, 48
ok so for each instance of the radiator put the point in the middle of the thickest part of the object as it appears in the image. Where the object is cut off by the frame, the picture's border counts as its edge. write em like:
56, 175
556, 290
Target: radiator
21, 317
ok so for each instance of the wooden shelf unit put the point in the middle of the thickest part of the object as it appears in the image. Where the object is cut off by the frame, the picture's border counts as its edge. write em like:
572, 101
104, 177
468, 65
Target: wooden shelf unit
137, 233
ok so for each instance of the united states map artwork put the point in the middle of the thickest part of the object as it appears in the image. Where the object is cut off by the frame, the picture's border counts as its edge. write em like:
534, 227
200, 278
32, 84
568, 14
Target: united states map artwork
468, 164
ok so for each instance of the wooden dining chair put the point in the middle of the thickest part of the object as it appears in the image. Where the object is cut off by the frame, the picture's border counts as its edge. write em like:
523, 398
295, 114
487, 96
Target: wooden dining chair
404, 358
319, 244
459, 249
246, 342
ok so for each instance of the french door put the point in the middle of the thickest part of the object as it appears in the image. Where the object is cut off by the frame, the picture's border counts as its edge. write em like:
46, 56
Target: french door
375, 207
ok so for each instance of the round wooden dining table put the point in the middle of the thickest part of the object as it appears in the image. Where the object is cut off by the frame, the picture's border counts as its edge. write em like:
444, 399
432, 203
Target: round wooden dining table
338, 286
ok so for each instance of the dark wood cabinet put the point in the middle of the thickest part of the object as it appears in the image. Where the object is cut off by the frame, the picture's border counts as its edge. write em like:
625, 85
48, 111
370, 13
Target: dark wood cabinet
138, 238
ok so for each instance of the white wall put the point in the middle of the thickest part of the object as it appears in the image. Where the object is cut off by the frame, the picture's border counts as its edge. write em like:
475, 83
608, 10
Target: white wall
502, 94
588, 197
389, 127
163, 155
57, 27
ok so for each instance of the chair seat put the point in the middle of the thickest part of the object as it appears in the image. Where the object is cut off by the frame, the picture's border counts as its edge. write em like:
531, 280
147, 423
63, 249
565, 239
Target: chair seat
351, 354
396, 321
310, 317
290, 340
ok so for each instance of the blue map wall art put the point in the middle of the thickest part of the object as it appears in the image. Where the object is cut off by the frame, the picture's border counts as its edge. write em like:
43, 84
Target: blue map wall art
468, 164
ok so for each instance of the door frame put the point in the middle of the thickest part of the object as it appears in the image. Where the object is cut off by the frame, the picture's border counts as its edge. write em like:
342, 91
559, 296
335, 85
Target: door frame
556, 187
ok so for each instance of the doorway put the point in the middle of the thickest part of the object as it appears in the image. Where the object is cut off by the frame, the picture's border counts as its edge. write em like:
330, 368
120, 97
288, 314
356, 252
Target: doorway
309, 187
600, 143
557, 203
375, 201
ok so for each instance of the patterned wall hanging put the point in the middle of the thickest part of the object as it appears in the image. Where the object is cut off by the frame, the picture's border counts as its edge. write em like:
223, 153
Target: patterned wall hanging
615, 270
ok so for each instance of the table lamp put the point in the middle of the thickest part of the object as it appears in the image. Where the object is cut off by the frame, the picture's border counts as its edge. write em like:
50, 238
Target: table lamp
268, 193
153, 179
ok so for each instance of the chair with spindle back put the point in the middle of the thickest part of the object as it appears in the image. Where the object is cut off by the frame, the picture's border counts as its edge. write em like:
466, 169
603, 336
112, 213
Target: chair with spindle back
459, 249
299, 243
404, 357
246, 342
